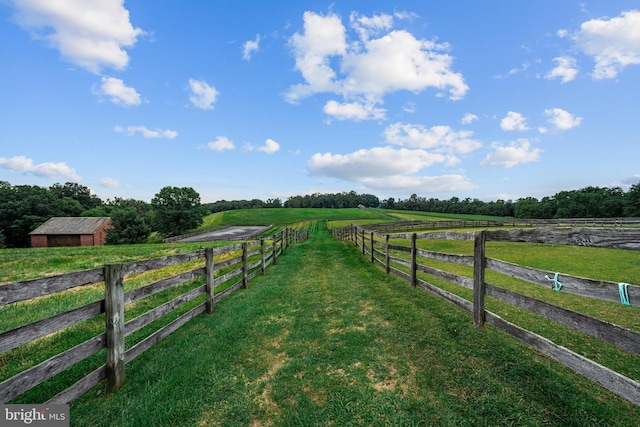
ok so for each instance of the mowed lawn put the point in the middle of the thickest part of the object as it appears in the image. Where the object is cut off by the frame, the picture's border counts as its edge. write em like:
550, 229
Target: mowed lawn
326, 338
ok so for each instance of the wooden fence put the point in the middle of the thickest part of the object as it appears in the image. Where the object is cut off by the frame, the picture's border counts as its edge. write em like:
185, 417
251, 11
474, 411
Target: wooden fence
252, 257
378, 247
400, 226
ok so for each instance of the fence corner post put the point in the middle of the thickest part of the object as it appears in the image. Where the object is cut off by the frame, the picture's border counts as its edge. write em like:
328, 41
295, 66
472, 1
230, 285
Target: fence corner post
479, 285
414, 264
114, 319
209, 272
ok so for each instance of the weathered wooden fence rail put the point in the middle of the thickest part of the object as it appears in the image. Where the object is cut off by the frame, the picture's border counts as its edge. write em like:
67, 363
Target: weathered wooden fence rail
399, 226
246, 260
378, 247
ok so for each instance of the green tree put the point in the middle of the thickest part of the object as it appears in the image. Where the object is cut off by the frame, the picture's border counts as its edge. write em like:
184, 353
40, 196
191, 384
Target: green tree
127, 227
25, 207
633, 201
177, 210
77, 192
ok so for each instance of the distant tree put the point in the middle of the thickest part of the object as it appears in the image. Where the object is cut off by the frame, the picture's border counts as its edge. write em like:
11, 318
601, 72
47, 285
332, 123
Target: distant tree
632, 207
127, 227
389, 203
590, 202
77, 192
527, 208
25, 207
273, 203
332, 200
177, 210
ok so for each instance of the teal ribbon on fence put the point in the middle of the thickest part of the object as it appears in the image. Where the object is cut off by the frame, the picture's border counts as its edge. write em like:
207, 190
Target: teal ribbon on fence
556, 285
624, 293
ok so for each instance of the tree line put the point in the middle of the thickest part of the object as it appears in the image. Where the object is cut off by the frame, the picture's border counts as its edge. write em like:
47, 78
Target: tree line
177, 210
23, 208
224, 205
588, 202
333, 200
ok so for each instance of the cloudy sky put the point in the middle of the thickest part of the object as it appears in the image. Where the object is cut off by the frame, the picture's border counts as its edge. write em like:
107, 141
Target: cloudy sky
247, 99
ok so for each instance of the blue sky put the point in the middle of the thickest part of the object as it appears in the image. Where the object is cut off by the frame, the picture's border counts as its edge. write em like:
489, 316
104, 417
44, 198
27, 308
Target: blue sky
247, 99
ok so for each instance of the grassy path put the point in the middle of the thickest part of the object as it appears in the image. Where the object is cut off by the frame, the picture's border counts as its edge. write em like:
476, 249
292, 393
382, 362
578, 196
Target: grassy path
326, 338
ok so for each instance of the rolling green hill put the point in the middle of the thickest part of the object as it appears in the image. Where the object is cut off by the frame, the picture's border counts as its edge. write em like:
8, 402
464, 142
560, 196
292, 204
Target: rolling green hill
283, 216
286, 216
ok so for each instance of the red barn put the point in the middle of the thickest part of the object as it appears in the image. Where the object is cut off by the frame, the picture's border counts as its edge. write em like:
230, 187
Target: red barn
71, 231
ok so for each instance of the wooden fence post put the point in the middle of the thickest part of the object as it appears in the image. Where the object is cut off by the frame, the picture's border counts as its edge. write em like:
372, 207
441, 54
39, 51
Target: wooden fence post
372, 247
275, 248
244, 265
363, 251
387, 258
414, 264
262, 256
479, 264
114, 316
208, 268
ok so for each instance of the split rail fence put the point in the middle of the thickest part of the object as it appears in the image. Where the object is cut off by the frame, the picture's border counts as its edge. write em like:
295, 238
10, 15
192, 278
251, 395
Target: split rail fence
378, 247
409, 225
225, 270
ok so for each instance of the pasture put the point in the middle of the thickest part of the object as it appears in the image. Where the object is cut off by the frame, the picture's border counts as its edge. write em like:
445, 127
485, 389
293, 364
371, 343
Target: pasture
327, 338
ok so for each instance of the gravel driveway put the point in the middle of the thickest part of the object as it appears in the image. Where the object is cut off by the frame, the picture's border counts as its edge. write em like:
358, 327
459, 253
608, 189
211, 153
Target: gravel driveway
229, 233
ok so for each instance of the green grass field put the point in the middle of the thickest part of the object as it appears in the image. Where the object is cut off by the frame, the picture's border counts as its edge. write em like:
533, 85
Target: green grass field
326, 338
595, 263
284, 216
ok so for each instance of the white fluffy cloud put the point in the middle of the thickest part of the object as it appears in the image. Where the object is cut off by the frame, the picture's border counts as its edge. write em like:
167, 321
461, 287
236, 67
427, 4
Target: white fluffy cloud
514, 121
369, 26
508, 156
270, 146
378, 61
110, 182
377, 162
353, 111
146, 132
399, 61
118, 92
566, 70
23, 164
91, 34
468, 119
441, 139
221, 143
250, 47
420, 184
202, 95
388, 169
562, 119
323, 37
613, 43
